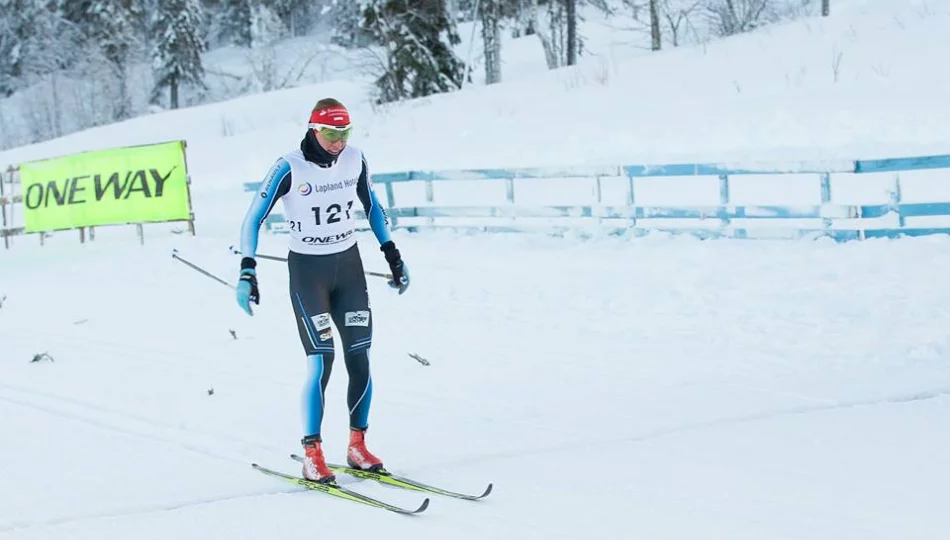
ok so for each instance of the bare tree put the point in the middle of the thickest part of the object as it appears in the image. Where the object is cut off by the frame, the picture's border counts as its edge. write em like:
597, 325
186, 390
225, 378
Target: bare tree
655, 38
678, 15
490, 14
825, 8
547, 21
571, 14
729, 17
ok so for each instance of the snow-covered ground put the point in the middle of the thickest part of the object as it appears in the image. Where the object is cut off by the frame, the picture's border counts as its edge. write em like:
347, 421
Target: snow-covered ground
661, 388
649, 388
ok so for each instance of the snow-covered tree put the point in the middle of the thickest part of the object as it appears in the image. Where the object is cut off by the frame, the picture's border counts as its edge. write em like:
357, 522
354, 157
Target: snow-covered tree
111, 25
297, 16
417, 37
345, 19
492, 15
266, 29
234, 21
176, 59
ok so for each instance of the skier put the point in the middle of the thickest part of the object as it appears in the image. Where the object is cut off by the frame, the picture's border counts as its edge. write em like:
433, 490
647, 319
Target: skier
318, 185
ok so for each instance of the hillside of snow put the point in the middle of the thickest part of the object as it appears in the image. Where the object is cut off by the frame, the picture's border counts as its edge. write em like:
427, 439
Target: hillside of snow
858, 84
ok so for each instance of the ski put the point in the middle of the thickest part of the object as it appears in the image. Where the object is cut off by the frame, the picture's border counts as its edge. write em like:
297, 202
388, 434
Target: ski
385, 477
340, 491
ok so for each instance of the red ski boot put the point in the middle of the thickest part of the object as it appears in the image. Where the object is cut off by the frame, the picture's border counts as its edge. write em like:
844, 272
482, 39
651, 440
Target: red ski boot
357, 456
314, 465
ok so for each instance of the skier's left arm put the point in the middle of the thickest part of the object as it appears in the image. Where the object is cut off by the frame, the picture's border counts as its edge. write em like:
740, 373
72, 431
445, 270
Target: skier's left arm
379, 223
378, 220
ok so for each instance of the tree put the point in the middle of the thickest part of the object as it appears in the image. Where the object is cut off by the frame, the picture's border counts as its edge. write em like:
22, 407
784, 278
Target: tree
16, 26
731, 17
178, 47
345, 17
296, 15
417, 38
555, 24
678, 15
825, 8
570, 9
655, 38
111, 25
235, 21
490, 15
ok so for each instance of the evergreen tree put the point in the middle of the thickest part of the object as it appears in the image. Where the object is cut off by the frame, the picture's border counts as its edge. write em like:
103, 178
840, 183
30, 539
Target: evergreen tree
16, 26
111, 25
35, 40
345, 18
77, 12
176, 59
296, 15
235, 21
417, 37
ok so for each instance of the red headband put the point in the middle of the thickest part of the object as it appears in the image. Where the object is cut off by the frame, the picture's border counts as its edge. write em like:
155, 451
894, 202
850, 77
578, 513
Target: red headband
336, 116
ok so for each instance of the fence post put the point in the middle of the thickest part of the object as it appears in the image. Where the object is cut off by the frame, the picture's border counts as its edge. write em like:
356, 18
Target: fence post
896, 199
510, 197
631, 200
191, 207
724, 196
825, 197
391, 201
3, 212
598, 189
430, 198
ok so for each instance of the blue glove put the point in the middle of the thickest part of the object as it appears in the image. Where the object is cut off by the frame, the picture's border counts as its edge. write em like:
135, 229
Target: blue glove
398, 268
247, 285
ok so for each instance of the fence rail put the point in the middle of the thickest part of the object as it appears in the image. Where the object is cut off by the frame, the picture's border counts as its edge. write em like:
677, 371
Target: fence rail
846, 216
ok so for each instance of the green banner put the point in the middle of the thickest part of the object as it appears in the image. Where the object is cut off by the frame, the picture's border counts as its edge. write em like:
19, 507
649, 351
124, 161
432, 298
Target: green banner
136, 184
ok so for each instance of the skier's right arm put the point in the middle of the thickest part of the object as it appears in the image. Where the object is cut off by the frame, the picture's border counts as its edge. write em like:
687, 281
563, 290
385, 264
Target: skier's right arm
274, 186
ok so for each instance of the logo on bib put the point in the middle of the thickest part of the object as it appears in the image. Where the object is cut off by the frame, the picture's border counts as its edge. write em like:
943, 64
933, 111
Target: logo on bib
326, 240
305, 189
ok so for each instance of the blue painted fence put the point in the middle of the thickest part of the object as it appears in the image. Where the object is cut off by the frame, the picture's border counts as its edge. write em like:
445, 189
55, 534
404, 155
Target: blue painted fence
824, 216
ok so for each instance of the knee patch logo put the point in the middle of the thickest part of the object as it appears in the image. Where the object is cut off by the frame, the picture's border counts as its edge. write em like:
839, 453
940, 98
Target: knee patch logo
357, 318
321, 321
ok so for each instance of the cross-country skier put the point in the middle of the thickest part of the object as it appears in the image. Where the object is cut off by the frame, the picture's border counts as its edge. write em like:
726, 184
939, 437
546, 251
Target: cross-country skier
318, 185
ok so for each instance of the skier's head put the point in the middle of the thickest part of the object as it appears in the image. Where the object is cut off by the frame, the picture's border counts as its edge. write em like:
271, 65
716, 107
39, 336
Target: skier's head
330, 123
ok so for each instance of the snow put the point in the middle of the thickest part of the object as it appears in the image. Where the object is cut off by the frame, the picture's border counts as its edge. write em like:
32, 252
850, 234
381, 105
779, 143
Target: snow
657, 387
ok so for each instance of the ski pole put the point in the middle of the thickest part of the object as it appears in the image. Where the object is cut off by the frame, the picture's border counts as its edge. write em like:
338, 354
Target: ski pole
284, 259
200, 270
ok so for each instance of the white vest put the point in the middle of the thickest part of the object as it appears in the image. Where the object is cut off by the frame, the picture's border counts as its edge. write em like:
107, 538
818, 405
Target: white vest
321, 205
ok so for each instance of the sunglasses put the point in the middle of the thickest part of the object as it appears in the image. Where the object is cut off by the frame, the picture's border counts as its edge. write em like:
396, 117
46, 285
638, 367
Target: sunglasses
333, 133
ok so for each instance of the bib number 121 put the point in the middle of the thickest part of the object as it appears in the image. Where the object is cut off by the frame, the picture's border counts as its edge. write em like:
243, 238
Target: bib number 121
332, 213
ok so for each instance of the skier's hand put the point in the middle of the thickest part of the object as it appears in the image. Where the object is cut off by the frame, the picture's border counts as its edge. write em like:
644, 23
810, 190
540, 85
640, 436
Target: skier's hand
247, 285
398, 268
